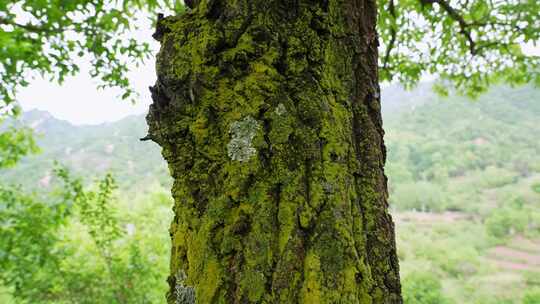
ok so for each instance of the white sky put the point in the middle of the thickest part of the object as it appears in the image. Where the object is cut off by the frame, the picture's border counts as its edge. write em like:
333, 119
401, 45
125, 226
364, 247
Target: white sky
80, 102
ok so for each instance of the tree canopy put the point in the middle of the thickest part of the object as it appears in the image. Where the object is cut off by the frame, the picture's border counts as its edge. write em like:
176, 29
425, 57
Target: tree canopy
470, 43
52, 38
467, 43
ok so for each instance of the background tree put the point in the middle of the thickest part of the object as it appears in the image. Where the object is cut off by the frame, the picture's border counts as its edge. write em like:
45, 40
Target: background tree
468, 45
423, 288
53, 38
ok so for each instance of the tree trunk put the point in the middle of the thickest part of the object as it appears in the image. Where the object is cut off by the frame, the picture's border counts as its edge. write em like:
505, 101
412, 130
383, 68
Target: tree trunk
268, 114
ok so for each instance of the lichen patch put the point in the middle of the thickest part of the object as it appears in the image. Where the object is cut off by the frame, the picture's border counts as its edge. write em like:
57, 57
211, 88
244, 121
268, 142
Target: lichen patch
183, 294
242, 133
280, 109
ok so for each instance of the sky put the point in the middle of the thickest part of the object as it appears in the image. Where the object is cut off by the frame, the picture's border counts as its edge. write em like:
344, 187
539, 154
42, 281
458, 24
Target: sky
79, 101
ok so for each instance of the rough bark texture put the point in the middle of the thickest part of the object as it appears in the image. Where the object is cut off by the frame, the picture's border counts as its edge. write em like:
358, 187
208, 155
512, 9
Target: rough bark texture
268, 114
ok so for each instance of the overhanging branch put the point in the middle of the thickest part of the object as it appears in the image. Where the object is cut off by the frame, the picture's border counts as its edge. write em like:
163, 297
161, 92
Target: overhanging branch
28, 27
393, 35
455, 15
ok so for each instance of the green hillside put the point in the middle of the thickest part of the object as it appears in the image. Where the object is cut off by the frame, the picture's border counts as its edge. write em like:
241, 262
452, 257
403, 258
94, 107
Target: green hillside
464, 179
90, 151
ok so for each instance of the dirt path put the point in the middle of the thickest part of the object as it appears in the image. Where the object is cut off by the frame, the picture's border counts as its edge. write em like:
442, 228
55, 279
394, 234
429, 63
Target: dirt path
511, 254
430, 218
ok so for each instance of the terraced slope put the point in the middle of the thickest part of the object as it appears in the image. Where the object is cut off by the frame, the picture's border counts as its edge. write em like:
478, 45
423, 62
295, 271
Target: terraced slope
519, 254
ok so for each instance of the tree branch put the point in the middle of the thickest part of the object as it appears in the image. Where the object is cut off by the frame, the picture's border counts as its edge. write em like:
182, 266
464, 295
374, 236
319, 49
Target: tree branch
29, 27
393, 35
463, 25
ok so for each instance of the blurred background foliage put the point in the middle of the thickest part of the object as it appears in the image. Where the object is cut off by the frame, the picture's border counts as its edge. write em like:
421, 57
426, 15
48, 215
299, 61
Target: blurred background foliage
464, 180
74, 243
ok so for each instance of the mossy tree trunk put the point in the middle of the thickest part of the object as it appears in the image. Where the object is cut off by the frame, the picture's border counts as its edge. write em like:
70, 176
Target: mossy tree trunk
268, 114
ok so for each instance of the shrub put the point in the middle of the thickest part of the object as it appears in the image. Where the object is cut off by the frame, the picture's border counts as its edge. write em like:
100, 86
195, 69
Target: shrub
72, 243
494, 177
532, 278
423, 288
422, 196
536, 187
532, 296
506, 221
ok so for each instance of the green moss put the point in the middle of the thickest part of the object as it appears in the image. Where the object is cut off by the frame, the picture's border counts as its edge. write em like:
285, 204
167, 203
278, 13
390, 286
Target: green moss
253, 285
311, 289
286, 219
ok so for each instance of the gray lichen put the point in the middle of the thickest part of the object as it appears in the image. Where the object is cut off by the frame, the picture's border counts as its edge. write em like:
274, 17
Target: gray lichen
280, 109
242, 134
183, 294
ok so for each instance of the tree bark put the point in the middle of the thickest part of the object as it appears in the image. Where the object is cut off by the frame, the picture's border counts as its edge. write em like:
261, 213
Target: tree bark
268, 113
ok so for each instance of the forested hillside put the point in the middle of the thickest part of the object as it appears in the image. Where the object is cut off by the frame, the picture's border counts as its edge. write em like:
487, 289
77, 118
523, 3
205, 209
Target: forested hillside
91, 151
464, 180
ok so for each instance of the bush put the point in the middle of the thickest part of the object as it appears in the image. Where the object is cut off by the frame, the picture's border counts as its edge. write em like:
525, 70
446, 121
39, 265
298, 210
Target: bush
532, 296
507, 221
494, 177
421, 196
398, 173
423, 288
73, 243
515, 217
536, 187
462, 261
532, 278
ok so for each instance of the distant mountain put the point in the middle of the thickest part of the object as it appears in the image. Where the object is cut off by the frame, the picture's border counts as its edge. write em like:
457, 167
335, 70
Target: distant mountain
413, 119
449, 137
90, 151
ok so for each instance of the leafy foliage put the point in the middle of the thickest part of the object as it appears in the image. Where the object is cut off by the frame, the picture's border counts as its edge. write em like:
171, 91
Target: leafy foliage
471, 44
51, 37
532, 296
514, 217
29, 255
536, 187
422, 288
14, 144
95, 210
47, 258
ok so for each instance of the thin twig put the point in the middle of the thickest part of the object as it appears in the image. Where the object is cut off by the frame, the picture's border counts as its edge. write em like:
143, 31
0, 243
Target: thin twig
463, 25
29, 27
393, 35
